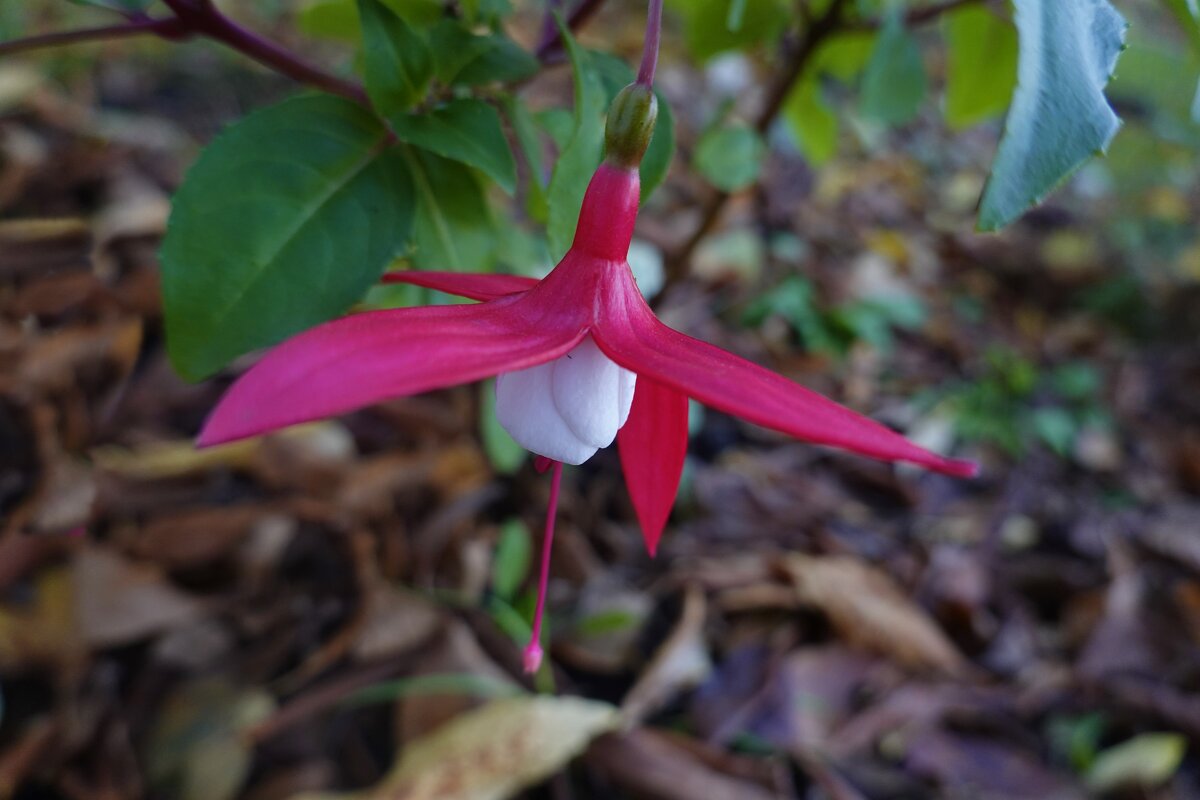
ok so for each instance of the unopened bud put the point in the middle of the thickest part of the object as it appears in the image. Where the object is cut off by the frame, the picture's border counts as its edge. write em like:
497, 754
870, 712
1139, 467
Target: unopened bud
630, 125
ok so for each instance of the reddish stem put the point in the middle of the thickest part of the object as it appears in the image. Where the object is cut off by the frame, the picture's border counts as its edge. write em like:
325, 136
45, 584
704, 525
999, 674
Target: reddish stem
650, 46
204, 18
201, 17
533, 651
167, 28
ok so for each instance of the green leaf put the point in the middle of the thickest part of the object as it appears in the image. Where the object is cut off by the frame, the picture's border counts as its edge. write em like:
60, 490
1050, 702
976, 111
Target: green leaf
1056, 427
981, 69
338, 19
581, 155
331, 19
463, 58
284, 221
486, 12
398, 62
894, 84
1143, 762
525, 128
813, 125
707, 27
502, 450
615, 74
1059, 117
467, 131
510, 564
453, 229
730, 157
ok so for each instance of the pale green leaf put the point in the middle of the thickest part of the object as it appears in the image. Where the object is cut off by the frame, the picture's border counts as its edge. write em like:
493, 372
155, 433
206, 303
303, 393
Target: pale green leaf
730, 157
284, 221
1059, 117
894, 84
514, 554
1143, 762
813, 125
716, 26
981, 69
466, 130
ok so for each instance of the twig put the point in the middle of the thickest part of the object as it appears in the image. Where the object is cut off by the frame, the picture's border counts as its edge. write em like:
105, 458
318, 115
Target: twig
169, 28
202, 18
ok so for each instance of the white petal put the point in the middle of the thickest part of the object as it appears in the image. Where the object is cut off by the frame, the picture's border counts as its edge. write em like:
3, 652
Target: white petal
525, 408
628, 384
586, 388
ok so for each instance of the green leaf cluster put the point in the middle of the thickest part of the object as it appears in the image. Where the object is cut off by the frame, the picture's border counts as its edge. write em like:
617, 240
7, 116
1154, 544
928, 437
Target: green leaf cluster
833, 331
1014, 406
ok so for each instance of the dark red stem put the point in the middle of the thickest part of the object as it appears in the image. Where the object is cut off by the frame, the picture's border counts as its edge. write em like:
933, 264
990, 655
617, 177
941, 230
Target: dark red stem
203, 17
550, 48
167, 28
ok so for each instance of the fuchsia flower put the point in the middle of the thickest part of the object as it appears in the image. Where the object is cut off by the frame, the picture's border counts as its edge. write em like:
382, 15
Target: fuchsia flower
581, 360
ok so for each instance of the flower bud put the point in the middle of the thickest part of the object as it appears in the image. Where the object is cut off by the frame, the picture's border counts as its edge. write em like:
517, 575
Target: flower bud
630, 125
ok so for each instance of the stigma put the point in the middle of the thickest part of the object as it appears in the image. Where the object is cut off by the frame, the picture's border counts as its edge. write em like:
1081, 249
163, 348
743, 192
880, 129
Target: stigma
568, 408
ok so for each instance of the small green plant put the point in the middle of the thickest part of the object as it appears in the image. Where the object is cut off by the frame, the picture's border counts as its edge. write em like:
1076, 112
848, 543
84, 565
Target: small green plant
1015, 406
835, 330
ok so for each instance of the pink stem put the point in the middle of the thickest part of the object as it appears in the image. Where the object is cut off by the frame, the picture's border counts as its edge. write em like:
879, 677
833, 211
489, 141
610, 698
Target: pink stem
533, 651
650, 46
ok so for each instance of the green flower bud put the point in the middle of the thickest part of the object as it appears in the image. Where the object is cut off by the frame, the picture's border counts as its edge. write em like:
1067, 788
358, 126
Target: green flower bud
630, 125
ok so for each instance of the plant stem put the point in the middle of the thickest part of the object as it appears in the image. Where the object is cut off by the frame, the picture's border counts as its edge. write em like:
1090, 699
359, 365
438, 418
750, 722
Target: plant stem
167, 28
205, 19
202, 18
550, 50
650, 45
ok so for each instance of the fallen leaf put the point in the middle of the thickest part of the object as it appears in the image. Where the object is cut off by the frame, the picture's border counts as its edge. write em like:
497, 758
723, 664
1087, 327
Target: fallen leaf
492, 753
870, 611
648, 764
119, 601
1143, 762
680, 663
198, 749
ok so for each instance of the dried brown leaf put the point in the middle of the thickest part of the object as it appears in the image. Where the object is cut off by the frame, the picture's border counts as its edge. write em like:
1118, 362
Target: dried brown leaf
870, 611
492, 753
